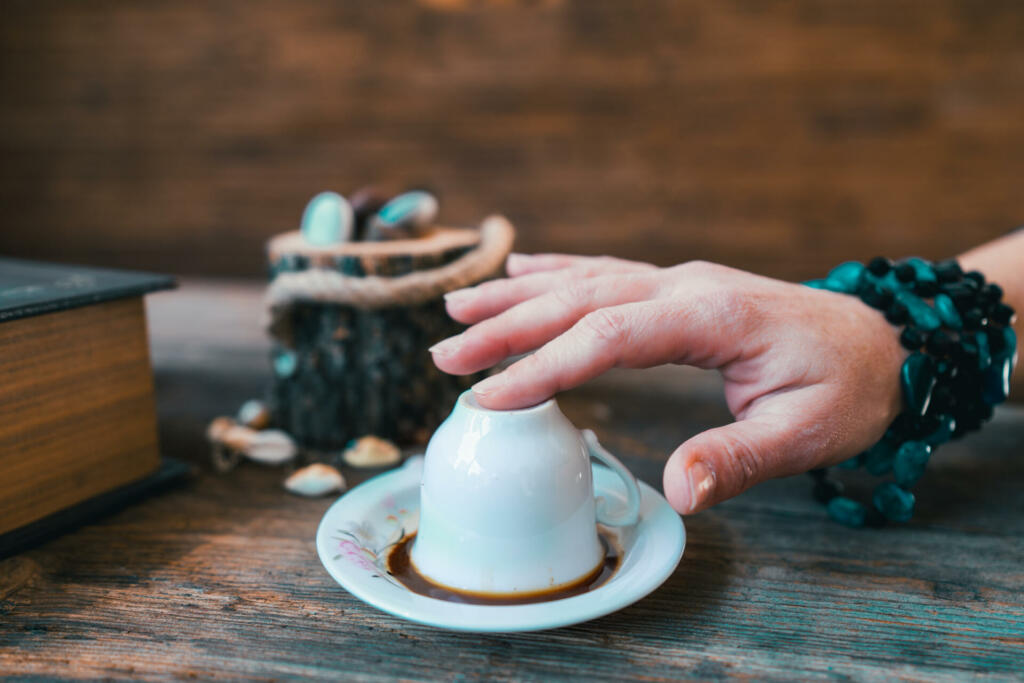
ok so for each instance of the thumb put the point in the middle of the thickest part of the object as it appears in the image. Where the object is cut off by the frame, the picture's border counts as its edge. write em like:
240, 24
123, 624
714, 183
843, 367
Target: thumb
720, 463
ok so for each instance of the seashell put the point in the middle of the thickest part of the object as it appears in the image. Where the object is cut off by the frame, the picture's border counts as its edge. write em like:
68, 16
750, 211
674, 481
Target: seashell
327, 220
254, 414
371, 451
270, 446
405, 216
218, 427
315, 480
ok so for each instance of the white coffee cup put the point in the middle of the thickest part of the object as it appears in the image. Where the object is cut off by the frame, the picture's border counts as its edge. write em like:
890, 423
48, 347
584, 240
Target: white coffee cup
507, 501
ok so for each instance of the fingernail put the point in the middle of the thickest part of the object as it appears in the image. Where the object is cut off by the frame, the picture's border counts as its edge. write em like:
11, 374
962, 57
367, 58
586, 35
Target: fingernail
489, 385
448, 346
515, 259
459, 295
702, 484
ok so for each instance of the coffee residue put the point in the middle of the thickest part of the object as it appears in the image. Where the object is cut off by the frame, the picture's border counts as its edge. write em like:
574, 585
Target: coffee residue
402, 569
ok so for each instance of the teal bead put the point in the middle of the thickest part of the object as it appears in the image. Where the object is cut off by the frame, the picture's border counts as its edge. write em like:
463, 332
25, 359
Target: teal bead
327, 220
943, 433
817, 284
285, 363
847, 511
911, 460
896, 504
995, 382
846, 276
922, 269
984, 354
878, 459
1009, 350
852, 463
923, 315
946, 309
917, 378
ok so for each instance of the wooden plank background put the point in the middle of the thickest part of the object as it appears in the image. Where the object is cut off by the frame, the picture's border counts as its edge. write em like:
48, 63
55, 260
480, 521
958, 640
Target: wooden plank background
778, 136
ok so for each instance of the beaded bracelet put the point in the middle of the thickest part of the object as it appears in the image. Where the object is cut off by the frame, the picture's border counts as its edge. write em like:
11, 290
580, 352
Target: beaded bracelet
962, 351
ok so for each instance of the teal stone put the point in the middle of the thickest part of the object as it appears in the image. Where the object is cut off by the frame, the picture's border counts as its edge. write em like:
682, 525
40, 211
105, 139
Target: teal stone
878, 459
896, 504
327, 220
923, 315
847, 511
410, 210
922, 269
285, 363
1009, 350
846, 276
852, 463
817, 284
943, 433
917, 378
995, 382
911, 460
946, 309
984, 353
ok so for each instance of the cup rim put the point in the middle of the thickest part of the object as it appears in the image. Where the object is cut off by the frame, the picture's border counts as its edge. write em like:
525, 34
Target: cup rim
468, 401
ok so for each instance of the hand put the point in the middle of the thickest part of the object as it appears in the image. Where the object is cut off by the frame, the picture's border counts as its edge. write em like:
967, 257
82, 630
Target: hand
810, 375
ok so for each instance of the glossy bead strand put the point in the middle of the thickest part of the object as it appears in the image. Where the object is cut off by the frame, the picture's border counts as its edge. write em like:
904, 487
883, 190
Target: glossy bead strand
962, 349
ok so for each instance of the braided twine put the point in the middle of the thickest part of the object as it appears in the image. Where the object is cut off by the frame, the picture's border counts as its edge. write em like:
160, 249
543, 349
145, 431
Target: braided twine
323, 285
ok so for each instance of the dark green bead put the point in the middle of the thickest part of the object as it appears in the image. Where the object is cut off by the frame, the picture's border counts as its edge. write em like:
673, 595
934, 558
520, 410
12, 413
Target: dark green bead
946, 309
879, 266
846, 511
917, 377
846, 276
896, 504
912, 338
995, 382
826, 489
944, 432
923, 315
948, 271
976, 276
1002, 314
911, 460
904, 272
878, 459
984, 355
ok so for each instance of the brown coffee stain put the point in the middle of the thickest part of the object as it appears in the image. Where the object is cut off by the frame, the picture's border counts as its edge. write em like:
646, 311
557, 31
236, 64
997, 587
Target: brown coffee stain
402, 569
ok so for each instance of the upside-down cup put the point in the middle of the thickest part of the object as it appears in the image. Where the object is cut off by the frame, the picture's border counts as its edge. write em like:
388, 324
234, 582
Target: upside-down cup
507, 501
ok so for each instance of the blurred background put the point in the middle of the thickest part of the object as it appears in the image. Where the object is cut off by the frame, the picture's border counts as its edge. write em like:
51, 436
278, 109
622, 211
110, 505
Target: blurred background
781, 137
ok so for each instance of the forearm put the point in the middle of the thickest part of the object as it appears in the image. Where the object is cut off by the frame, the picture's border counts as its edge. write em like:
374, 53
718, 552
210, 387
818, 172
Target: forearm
1002, 262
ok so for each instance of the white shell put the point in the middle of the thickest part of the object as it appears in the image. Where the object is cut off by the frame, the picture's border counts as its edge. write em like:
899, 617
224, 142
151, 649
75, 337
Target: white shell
372, 451
271, 446
315, 480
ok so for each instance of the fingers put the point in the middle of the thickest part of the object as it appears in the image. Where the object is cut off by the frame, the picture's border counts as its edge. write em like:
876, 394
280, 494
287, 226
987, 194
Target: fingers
721, 463
640, 334
473, 304
522, 264
532, 323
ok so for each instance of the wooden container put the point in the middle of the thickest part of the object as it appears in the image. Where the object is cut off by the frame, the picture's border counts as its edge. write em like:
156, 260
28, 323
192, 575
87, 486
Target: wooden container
347, 363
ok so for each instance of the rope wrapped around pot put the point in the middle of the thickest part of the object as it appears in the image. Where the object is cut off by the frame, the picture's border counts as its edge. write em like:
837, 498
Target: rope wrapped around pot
370, 292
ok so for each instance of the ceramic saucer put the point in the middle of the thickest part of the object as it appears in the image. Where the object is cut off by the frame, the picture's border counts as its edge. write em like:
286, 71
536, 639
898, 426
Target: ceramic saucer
358, 531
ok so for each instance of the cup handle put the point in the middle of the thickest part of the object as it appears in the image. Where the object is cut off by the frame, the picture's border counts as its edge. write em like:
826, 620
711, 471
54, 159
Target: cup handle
631, 514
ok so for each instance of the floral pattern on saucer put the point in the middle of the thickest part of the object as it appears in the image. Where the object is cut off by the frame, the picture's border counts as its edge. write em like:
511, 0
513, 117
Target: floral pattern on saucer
366, 544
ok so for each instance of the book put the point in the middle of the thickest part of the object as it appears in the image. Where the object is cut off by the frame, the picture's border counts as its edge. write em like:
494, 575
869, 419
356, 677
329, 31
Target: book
77, 406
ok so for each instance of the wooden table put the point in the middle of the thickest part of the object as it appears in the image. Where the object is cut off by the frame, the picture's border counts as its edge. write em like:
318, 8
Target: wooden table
219, 578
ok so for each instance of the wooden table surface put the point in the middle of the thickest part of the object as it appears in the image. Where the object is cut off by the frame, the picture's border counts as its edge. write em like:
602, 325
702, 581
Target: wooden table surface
218, 578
